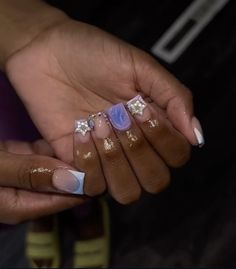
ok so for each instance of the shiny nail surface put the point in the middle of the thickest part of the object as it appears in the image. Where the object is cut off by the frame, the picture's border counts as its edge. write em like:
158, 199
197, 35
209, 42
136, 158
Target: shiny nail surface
101, 126
119, 117
69, 181
139, 108
82, 130
197, 129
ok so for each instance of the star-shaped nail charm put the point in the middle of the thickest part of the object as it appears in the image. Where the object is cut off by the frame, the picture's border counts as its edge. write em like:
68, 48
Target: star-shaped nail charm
82, 127
136, 105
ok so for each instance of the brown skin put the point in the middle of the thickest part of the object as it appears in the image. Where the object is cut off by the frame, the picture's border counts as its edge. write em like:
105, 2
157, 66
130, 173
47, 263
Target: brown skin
74, 69
64, 70
17, 205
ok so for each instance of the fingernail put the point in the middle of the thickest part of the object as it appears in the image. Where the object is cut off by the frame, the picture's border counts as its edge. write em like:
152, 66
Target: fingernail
119, 117
139, 109
68, 181
82, 130
101, 128
197, 129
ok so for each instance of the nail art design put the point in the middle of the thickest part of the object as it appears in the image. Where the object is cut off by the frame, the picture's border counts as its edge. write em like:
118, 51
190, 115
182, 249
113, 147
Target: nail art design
82, 127
69, 181
136, 105
119, 117
101, 125
109, 145
153, 123
138, 108
197, 129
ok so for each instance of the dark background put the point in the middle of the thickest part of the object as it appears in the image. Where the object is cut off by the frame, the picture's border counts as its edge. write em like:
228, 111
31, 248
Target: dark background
193, 223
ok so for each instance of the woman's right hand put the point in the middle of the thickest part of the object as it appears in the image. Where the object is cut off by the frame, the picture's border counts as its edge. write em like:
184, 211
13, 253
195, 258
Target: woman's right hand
26, 191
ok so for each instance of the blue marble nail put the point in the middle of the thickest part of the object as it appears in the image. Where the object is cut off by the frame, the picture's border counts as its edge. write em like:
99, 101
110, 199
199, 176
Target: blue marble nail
119, 117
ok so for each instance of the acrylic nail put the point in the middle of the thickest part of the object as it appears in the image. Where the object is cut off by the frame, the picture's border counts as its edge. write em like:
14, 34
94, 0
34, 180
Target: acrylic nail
119, 117
82, 130
197, 130
69, 181
101, 126
139, 108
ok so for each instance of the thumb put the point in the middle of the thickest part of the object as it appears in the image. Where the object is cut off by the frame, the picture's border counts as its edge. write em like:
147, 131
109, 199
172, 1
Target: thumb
169, 94
39, 173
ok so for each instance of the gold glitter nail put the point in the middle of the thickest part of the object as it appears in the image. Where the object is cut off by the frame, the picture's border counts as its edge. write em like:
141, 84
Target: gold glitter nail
132, 138
87, 155
108, 144
40, 170
153, 123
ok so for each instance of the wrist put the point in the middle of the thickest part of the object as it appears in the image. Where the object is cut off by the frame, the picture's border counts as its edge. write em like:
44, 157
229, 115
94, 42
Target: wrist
22, 21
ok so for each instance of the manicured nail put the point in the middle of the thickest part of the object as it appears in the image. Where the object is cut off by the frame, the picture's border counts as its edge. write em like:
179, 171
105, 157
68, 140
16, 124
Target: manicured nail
119, 117
139, 108
82, 130
68, 181
197, 129
101, 127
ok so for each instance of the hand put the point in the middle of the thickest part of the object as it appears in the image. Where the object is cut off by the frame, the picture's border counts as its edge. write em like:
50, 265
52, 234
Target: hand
21, 180
72, 70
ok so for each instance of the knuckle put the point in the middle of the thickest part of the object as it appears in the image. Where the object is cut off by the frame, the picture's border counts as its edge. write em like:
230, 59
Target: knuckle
128, 198
25, 174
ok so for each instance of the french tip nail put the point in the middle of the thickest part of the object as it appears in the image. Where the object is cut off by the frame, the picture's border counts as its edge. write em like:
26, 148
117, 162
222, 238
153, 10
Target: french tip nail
69, 181
197, 130
199, 137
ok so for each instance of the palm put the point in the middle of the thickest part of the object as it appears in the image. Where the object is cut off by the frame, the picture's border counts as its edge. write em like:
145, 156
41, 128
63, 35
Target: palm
69, 74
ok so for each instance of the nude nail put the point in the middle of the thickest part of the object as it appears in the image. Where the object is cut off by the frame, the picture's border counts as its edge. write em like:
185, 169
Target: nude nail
197, 130
139, 108
82, 131
101, 126
68, 181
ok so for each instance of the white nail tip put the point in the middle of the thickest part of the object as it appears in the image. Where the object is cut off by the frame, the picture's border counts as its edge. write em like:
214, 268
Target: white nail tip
199, 136
80, 177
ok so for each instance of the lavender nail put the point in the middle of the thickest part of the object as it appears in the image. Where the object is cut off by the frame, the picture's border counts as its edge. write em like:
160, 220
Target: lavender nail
119, 117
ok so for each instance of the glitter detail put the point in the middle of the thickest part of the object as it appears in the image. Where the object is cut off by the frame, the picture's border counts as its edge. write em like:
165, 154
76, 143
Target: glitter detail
82, 127
153, 123
87, 155
91, 123
136, 105
40, 170
132, 137
108, 144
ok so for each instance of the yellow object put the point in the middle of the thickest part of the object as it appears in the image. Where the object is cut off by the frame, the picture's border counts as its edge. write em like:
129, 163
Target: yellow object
94, 252
42, 246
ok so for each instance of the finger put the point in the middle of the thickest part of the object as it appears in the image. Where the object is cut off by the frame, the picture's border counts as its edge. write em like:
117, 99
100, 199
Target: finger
42, 147
149, 168
168, 142
39, 173
19, 205
171, 95
19, 147
86, 159
121, 180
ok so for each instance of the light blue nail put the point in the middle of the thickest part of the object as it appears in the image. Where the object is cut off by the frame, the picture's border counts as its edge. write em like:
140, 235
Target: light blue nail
119, 117
80, 177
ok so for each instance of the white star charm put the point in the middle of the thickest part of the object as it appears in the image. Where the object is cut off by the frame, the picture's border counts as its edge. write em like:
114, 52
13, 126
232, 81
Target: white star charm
82, 127
136, 105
